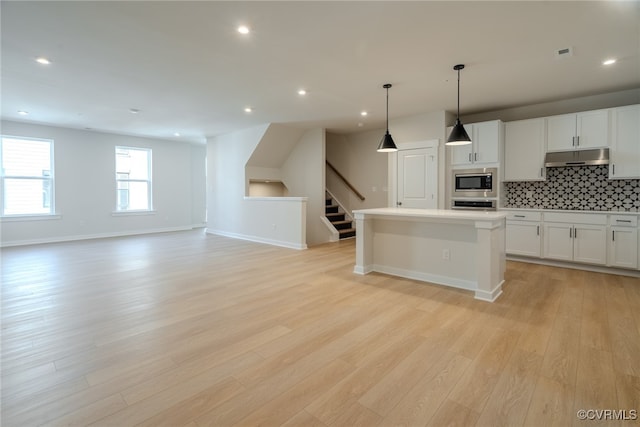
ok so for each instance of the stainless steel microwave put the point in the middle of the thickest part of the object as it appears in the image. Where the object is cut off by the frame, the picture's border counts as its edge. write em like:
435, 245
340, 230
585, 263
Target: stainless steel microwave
475, 183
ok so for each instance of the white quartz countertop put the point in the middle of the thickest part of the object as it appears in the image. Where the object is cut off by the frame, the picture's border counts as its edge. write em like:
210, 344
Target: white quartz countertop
435, 213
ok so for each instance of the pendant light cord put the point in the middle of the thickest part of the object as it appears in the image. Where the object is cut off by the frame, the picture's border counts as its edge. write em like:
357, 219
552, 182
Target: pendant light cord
387, 110
458, 115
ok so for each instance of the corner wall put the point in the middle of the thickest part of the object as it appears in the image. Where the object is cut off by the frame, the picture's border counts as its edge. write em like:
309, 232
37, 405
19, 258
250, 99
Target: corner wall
85, 189
303, 173
284, 221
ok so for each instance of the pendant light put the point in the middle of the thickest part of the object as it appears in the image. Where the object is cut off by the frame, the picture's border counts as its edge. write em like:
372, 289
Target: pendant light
458, 135
386, 143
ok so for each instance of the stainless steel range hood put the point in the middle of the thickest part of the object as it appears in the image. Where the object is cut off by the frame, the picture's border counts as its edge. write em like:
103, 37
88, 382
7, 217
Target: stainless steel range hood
599, 156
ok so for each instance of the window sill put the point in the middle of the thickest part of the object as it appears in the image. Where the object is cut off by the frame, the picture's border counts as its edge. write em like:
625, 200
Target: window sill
133, 213
34, 217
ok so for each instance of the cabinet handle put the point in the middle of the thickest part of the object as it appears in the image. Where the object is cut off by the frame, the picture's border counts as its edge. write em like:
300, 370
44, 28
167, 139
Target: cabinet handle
537, 230
578, 141
541, 172
613, 233
575, 233
519, 216
469, 157
571, 232
614, 169
573, 141
623, 220
475, 156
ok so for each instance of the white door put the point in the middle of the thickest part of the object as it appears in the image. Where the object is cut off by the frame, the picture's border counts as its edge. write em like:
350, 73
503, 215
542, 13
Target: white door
417, 178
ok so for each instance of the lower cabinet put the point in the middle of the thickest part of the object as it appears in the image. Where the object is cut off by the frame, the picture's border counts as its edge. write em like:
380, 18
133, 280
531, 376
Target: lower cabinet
591, 238
576, 242
523, 233
623, 242
523, 238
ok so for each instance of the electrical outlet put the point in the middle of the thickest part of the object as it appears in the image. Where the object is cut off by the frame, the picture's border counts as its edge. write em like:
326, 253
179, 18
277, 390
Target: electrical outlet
446, 255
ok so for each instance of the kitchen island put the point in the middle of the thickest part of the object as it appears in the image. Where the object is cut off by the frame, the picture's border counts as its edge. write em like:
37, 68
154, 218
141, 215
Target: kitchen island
463, 249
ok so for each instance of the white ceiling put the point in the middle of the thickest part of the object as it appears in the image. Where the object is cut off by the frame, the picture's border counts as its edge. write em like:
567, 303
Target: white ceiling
188, 70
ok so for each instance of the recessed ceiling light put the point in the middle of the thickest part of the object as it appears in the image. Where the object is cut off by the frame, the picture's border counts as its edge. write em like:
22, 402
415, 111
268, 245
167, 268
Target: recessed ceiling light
42, 60
363, 113
609, 62
23, 113
302, 92
248, 109
243, 29
134, 110
176, 134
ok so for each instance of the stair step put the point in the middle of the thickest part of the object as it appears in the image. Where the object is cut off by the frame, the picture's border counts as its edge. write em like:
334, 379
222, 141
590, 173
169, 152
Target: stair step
331, 209
328, 201
335, 216
342, 225
347, 232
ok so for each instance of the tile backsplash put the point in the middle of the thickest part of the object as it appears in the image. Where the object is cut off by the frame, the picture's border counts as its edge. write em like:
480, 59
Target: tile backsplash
575, 188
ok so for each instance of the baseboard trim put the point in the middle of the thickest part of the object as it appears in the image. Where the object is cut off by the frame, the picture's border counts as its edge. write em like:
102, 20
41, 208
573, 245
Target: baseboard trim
257, 239
62, 239
575, 266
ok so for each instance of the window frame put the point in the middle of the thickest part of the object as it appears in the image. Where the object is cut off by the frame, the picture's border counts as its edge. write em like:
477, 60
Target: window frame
148, 181
50, 179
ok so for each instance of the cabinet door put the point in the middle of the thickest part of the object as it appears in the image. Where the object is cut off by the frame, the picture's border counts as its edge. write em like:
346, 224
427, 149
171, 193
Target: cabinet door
486, 142
524, 150
590, 244
558, 241
560, 132
623, 247
592, 129
625, 143
462, 155
523, 238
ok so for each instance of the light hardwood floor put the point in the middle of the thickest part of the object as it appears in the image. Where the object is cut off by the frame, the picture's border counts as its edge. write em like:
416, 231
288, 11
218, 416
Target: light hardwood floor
188, 329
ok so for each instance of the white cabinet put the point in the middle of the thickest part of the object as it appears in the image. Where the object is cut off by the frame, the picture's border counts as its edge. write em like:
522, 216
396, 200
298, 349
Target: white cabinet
625, 143
589, 129
558, 241
523, 233
575, 237
484, 150
623, 241
524, 150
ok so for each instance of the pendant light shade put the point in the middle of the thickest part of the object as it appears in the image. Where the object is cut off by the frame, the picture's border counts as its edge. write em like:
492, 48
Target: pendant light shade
458, 135
386, 143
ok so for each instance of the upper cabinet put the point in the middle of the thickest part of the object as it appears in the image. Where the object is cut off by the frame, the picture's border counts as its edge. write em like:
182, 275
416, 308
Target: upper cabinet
625, 143
579, 131
524, 150
484, 150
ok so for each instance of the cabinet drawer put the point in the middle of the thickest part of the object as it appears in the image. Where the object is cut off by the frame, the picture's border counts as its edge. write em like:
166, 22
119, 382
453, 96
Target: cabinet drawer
623, 220
524, 216
576, 218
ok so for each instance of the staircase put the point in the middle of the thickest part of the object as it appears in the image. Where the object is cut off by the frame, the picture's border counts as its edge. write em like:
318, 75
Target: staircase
337, 218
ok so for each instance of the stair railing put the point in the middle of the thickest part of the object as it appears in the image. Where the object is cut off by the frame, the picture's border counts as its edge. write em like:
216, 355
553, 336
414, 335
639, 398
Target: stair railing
346, 182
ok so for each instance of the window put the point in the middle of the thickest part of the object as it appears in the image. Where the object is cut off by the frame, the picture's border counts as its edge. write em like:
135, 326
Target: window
133, 179
27, 176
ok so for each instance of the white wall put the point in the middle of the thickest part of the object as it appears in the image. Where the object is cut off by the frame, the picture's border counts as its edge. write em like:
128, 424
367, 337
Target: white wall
85, 194
303, 173
355, 157
571, 105
278, 221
